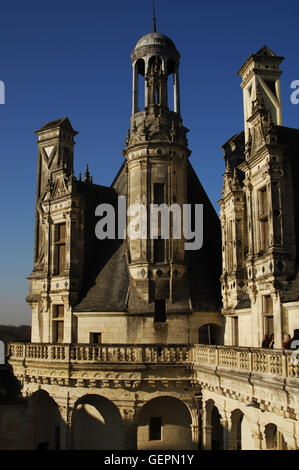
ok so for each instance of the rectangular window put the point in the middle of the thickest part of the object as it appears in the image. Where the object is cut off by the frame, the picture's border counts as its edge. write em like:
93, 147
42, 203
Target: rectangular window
263, 218
268, 325
159, 193
267, 304
264, 235
230, 251
155, 429
95, 338
58, 332
204, 335
160, 311
159, 250
263, 202
58, 324
59, 248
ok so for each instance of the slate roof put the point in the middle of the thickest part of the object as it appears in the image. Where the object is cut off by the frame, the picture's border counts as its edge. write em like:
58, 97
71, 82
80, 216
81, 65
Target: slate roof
110, 290
58, 122
288, 136
107, 279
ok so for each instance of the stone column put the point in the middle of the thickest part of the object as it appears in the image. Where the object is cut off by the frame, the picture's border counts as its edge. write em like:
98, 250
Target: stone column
135, 90
64, 427
195, 436
146, 60
65, 405
176, 97
70, 408
224, 424
207, 437
129, 427
257, 437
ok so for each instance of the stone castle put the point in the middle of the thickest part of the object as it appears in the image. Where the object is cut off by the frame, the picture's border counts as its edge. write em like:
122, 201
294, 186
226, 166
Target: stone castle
138, 343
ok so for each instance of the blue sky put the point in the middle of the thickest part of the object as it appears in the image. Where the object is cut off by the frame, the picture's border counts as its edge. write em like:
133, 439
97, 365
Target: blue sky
72, 58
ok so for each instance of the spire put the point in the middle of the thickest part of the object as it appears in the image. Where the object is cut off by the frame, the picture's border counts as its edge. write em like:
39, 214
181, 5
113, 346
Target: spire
154, 18
87, 175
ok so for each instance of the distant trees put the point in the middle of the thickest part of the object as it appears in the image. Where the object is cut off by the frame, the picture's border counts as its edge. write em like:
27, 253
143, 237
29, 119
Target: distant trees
15, 333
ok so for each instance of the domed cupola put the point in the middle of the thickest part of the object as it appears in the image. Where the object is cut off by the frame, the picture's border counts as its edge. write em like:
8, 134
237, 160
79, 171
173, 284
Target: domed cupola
156, 59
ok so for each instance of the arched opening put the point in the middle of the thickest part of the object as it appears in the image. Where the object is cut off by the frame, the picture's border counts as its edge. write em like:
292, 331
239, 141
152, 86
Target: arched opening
164, 423
274, 438
236, 430
96, 424
210, 334
217, 430
140, 71
171, 91
46, 423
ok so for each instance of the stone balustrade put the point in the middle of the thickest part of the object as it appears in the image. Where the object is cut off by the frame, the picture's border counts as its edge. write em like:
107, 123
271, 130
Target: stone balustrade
273, 362
102, 353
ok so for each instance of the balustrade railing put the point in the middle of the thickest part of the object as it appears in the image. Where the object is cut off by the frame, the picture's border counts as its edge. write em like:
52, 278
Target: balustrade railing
236, 359
252, 360
99, 353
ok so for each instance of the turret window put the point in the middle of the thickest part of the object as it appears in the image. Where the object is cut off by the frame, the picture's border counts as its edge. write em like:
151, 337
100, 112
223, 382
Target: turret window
58, 324
268, 314
263, 219
267, 304
159, 243
59, 248
159, 193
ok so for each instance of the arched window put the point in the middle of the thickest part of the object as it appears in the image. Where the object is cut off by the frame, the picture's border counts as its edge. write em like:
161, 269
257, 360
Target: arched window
274, 438
171, 71
138, 86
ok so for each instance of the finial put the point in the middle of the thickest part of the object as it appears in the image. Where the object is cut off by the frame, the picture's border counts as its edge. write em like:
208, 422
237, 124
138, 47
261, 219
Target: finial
154, 18
86, 176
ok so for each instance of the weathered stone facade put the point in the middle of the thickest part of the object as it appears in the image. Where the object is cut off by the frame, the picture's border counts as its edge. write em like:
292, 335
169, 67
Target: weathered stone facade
259, 214
114, 361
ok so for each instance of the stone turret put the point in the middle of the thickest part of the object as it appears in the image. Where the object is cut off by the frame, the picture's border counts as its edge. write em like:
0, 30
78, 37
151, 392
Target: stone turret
157, 158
